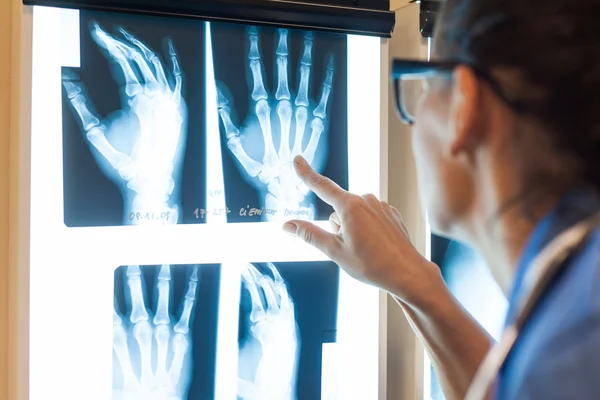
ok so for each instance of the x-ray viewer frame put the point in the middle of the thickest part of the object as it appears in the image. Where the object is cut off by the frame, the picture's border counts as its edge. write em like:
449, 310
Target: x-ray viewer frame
60, 302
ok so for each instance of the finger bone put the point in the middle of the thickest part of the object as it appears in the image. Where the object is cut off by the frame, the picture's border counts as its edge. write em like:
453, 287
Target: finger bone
176, 72
283, 90
75, 95
305, 65
259, 92
321, 110
162, 308
138, 309
183, 326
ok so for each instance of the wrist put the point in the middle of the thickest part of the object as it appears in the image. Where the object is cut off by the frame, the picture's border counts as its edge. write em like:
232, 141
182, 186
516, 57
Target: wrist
429, 295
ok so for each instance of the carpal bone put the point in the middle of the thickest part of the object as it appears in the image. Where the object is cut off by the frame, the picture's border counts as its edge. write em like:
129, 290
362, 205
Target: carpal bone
284, 111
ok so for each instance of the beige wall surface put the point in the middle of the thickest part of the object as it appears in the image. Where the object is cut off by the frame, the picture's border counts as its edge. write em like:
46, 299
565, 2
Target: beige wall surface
5, 62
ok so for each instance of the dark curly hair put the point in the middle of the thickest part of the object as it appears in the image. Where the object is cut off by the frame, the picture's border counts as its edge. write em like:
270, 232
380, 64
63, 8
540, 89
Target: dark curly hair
549, 53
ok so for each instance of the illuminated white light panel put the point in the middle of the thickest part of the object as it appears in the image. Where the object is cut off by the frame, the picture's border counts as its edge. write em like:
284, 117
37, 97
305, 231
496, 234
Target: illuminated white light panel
72, 269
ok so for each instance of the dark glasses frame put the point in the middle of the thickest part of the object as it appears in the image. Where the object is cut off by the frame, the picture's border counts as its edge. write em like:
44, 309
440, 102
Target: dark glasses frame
416, 69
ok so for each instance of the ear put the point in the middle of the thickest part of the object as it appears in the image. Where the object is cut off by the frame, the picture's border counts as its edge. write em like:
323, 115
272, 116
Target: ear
463, 110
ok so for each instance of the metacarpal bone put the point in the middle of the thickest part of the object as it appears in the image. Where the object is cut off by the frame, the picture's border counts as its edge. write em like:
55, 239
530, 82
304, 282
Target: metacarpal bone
301, 118
283, 90
183, 326
122, 352
284, 111
321, 110
142, 332
317, 127
263, 113
138, 307
180, 344
162, 336
162, 304
234, 139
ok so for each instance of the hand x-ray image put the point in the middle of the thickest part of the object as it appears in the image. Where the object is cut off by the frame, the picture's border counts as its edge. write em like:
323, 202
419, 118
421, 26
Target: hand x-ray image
280, 93
287, 312
165, 332
126, 113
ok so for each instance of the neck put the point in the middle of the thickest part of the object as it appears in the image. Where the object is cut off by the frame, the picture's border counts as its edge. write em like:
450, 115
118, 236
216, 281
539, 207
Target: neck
503, 233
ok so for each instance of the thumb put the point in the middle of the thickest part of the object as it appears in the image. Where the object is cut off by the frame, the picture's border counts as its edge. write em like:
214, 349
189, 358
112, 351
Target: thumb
317, 237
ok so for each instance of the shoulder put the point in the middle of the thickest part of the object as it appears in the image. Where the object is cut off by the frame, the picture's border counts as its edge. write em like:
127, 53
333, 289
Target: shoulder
558, 352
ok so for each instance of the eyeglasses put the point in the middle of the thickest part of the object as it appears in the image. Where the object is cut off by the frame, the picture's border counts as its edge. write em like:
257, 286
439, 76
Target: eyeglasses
410, 81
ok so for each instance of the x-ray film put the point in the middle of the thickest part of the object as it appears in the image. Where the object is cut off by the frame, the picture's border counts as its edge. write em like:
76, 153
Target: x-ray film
127, 111
280, 93
165, 332
135, 121
288, 311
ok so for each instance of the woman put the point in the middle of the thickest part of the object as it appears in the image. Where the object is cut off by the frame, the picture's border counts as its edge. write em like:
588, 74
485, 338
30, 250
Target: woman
506, 138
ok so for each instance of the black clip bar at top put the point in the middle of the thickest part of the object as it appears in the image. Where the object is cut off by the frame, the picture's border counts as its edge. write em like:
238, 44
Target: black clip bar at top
427, 16
288, 14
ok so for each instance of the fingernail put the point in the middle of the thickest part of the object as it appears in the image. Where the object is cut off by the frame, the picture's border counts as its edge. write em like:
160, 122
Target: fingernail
299, 161
290, 227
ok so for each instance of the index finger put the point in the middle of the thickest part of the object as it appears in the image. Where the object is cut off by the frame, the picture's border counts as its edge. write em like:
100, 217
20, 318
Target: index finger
327, 190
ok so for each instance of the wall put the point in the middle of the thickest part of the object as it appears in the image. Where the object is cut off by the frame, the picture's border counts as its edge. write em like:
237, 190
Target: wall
405, 354
5, 37
15, 86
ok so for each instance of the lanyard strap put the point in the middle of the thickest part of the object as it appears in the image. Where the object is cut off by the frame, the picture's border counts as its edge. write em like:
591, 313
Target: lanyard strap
543, 269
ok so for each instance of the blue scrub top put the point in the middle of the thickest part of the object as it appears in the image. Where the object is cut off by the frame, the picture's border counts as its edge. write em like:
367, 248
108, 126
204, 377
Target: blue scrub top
557, 355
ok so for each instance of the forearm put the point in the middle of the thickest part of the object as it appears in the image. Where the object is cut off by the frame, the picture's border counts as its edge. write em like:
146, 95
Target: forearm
455, 342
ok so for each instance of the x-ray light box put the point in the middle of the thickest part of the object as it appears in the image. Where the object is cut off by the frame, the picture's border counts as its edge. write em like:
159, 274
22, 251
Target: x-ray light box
161, 175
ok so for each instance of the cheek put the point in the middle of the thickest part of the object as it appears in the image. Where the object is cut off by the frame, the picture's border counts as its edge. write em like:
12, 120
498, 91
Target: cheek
435, 169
